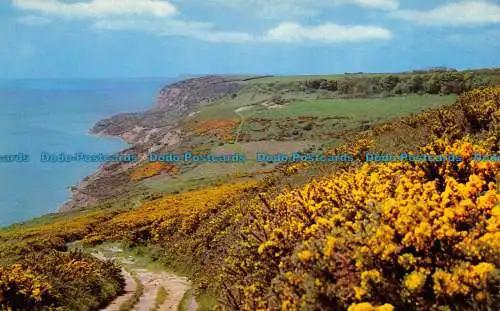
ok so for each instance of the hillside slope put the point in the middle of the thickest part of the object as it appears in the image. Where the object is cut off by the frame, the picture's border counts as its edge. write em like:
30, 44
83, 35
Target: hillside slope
346, 234
408, 235
204, 113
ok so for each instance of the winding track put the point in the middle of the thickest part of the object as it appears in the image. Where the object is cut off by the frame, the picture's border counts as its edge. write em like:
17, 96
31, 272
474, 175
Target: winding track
175, 285
130, 288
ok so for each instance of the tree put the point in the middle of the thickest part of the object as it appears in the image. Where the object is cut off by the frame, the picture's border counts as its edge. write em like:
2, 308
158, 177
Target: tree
313, 84
433, 85
402, 88
323, 84
452, 83
362, 87
388, 83
277, 100
345, 86
416, 84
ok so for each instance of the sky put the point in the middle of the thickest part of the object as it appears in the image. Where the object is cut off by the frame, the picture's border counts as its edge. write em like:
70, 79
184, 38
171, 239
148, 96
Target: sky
170, 38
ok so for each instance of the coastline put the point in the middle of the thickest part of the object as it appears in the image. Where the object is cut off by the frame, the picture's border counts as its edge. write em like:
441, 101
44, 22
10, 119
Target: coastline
59, 118
72, 188
77, 194
150, 129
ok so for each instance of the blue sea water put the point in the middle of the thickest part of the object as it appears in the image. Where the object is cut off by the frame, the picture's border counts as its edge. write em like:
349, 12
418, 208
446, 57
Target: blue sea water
55, 116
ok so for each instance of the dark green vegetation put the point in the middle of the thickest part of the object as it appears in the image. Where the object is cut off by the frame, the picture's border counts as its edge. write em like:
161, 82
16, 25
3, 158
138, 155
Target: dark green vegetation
205, 233
432, 81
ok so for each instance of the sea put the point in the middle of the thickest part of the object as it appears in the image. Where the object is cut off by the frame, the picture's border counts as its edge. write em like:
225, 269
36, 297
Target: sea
55, 116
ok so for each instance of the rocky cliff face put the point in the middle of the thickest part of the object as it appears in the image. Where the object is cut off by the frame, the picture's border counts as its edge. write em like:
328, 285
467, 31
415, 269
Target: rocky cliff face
179, 98
148, 131
174, 102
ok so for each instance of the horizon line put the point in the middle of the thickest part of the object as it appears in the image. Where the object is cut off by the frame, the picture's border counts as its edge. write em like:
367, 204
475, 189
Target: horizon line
245, 74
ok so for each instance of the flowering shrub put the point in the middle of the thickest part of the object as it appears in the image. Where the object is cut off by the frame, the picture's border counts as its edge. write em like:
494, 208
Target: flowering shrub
77, 281
45, 276
381, 234
157, 219
402, 236
223, 130
151, 169
474, 111
481, 107
21, 289
54, 280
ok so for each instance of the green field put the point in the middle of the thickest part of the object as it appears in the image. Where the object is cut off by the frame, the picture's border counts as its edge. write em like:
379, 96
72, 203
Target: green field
372, 108
356, 109
325, 119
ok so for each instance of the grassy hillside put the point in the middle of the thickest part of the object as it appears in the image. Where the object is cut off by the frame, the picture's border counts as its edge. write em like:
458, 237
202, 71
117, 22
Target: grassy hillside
320, 112
296, 236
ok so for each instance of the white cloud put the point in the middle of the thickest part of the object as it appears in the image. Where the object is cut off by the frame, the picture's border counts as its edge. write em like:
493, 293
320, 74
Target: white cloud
278, 8
154, 16
197, 30
273, 9
327, 33
286, 32
463, 13
98, 8
32, 20
226, 36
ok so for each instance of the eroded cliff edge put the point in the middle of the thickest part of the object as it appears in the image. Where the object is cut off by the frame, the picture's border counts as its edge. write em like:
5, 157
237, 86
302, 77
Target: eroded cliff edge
148, 131
174, 102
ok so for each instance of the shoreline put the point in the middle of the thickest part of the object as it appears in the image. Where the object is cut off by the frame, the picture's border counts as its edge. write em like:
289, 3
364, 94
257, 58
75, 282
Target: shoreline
150, 127
76, 196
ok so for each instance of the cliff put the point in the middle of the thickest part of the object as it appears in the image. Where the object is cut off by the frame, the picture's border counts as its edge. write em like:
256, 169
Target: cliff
148, 130
174, 102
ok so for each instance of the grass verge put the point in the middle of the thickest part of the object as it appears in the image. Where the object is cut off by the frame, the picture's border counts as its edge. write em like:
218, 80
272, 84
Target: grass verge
161, 296
132, 301
186, 300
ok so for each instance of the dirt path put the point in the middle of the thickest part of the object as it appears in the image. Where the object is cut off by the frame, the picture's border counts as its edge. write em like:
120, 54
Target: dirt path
176, 288
238, 131
175, 285
130, 288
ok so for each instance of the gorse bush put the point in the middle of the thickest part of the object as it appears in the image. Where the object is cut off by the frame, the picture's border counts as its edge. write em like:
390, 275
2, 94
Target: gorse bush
222, 130
21, 289
158, 220
481, 108
78, 282
474, 112
381, 234
150, 169
58, 280
404, 236
45, 276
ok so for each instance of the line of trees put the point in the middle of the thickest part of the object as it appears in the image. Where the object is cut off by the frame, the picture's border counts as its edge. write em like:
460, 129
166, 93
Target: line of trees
440, 82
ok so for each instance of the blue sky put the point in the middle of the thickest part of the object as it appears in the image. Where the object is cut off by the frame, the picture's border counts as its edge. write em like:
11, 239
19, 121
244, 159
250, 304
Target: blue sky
147, 38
